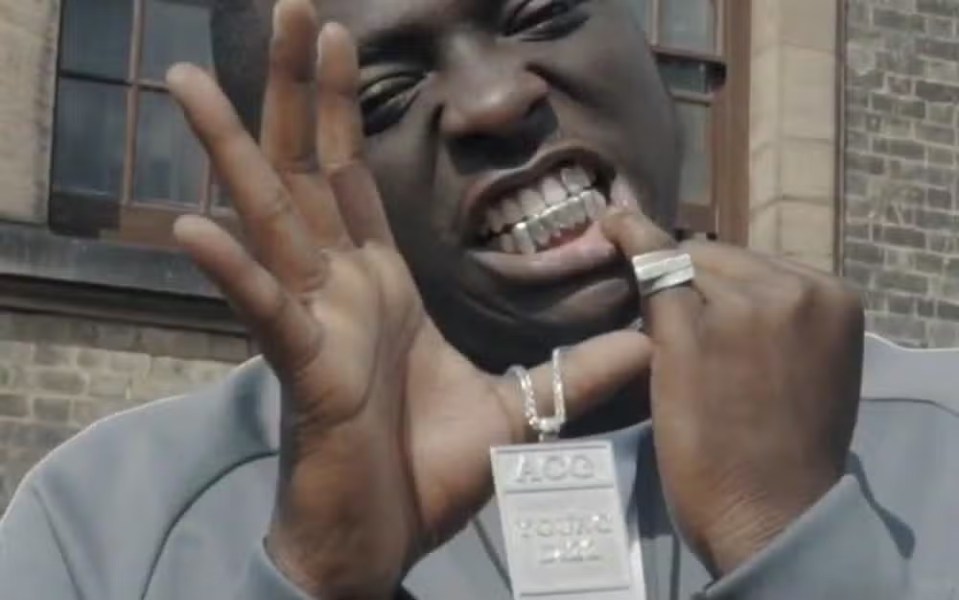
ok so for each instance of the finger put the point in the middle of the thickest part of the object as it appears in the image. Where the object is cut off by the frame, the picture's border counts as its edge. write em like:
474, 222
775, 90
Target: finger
282, 327
670, 314
340, 137
272, 223
288, 116
288, 127
592, 371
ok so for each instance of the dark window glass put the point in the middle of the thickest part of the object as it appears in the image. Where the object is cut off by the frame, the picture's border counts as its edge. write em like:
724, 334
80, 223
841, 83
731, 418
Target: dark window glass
96, 37
688, 24
89, 140
685, 76
642, 11
221, 196
695, 184
170, 164
174, 31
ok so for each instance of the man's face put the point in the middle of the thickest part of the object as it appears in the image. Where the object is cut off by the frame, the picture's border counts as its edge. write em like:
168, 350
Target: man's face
498, 130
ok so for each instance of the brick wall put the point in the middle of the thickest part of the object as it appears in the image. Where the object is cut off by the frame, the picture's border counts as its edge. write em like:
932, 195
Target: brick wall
902, 173
58, 375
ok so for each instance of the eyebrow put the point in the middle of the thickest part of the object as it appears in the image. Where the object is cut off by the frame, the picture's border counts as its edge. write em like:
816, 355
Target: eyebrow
412, 35
404, 40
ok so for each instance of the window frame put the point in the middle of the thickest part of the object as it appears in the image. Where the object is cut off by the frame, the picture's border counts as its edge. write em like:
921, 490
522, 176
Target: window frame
726, 218
147, 221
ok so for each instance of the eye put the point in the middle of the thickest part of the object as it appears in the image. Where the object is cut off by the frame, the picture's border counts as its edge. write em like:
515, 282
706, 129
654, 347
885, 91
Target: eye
546, 19
384, 100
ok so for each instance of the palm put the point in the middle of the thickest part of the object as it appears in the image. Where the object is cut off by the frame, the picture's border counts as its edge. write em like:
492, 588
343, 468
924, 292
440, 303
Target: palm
409, 387
386, 427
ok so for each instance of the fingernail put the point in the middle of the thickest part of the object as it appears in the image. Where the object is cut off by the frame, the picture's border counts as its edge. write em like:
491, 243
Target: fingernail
277, 21
612, 218
615, 211
324, 31
175, 74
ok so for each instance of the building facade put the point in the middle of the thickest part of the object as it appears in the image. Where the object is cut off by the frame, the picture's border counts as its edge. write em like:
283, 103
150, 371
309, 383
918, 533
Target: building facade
901, 175
824, 131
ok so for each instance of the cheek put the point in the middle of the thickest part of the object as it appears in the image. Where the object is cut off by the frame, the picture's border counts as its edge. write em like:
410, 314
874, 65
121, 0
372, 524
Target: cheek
404, 173
607, 73
611, 93
420, 192
403, 184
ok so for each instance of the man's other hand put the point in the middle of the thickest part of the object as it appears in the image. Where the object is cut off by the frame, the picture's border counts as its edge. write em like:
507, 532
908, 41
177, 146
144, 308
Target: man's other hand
755, 389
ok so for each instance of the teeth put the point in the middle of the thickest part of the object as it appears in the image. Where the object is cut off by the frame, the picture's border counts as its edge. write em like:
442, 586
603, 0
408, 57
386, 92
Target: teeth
568, 212
578, 210
589, 205
575, 179
532, 202
527, 222
553, 191
506, 243
512, 211
551, 220
524, 241
494, 220
540, 232
594, 203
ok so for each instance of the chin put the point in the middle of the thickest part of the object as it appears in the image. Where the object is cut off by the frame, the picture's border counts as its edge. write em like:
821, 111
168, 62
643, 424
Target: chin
566, 316
593, 309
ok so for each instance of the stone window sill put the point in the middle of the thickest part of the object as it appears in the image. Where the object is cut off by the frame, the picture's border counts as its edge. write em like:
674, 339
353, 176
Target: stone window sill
43, 272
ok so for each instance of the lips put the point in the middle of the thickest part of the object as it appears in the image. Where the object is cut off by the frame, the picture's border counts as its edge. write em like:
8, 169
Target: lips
584, 251
546, 213
539, 224
502, 199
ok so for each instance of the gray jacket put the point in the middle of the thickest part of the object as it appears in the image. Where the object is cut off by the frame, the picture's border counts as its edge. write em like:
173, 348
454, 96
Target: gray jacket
172, 500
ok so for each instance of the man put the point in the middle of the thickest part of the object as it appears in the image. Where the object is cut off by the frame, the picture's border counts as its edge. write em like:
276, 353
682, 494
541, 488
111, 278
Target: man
521, 149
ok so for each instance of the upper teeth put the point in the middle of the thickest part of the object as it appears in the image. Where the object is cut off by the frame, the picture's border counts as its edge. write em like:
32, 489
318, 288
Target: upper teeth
528, 220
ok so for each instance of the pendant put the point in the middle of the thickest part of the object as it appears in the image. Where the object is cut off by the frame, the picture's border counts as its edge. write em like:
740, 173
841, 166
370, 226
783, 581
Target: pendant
563, 522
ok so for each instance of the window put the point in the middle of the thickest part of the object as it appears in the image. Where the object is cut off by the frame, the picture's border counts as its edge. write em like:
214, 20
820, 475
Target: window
703, 51
124, 162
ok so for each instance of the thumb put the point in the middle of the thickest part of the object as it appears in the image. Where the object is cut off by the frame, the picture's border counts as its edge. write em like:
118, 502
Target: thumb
670, 313
591, 372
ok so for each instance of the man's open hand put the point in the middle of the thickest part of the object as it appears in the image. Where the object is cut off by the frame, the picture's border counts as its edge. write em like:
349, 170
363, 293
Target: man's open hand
386, 428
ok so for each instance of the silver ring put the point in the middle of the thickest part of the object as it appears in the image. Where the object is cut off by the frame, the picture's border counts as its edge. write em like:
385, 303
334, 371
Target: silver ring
659, 271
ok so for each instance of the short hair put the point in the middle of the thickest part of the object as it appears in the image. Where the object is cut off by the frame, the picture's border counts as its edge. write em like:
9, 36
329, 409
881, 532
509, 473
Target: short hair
240, 33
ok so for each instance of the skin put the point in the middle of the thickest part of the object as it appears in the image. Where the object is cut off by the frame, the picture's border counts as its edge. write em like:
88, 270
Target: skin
389, 409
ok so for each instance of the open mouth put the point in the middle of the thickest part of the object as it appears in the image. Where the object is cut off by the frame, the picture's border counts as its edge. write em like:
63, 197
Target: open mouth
556, 209
539, 224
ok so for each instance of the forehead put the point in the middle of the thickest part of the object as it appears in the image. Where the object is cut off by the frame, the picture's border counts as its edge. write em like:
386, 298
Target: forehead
371, 19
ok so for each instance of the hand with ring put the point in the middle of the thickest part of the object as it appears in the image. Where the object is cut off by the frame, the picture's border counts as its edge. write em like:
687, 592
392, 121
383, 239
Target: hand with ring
754, 385
386, 428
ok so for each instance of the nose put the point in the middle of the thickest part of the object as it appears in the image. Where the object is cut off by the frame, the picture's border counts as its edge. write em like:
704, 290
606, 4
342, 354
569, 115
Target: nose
489, 94
495, 111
